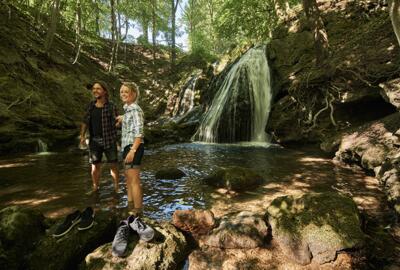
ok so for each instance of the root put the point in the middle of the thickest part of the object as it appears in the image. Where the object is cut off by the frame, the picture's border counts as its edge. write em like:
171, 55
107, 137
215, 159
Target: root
20, 101
329, 98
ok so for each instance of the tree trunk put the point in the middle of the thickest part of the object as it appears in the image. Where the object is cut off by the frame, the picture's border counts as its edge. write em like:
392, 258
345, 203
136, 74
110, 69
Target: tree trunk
53, 25
38, 10
174, 7
154, 29
118, 32
126, 28
394, 11
97, 20
114, 37
78, 27
210, 6
318, 29
145, 29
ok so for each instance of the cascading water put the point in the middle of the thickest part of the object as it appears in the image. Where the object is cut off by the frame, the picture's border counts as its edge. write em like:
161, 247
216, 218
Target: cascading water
41, 146
185, 101
241, 106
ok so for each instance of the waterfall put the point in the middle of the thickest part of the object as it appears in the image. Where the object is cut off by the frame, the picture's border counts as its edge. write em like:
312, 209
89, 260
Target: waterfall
41, 146
185, 101
241, 106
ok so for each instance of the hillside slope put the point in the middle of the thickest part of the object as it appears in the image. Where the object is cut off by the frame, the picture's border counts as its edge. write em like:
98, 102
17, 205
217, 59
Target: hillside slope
43, 95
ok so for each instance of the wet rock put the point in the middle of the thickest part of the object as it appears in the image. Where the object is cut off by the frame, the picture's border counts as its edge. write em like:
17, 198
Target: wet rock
390, 91
234, 178
68, 251
196, 222
20, 230
169, 133
246, 230
165, 251
169, 173
283, 122
315, 226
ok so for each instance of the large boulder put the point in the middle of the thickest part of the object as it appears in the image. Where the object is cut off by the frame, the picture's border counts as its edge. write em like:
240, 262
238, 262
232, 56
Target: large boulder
315, 226
68, 251
165, 251
234, 178
20, 231
195, 222
246, 230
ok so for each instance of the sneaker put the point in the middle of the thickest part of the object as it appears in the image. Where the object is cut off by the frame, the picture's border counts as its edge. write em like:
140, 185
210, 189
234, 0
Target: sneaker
87, 219
70, 221
120, 242
146, 233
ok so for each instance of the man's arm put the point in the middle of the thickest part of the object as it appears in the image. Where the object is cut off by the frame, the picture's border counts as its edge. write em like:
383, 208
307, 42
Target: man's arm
83, 134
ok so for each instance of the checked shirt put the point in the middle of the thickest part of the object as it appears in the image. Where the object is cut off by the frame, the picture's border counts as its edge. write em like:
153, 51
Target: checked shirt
132, 124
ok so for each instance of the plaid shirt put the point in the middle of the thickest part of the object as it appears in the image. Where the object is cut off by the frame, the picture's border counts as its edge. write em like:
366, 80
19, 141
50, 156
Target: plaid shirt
108, 115
132, 124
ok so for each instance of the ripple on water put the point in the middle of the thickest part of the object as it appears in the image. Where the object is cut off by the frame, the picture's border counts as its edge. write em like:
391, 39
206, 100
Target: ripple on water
61, 181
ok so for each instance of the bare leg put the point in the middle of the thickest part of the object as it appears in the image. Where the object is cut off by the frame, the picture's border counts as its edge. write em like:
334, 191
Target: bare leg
115, 175
96, 172
133, 184
129, 189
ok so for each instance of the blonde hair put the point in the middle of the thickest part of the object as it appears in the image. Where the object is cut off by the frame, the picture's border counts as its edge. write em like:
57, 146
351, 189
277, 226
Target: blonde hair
134, 88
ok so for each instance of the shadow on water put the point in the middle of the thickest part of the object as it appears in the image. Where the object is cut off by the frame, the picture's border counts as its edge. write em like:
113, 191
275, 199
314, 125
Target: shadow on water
60, 182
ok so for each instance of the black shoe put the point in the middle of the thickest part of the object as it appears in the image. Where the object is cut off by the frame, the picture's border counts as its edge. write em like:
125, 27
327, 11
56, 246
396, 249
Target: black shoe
87, 219
70, 221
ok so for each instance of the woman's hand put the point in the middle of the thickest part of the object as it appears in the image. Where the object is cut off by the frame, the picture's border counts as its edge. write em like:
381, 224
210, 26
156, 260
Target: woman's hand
129, 157
118, 120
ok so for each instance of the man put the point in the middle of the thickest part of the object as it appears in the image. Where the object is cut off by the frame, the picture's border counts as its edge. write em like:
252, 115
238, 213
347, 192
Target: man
100, 121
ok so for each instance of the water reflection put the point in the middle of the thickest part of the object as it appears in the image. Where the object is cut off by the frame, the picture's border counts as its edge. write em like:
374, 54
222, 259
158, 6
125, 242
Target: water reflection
58, 183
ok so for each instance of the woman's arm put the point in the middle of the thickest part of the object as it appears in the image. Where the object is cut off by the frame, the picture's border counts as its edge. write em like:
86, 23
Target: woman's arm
138, 125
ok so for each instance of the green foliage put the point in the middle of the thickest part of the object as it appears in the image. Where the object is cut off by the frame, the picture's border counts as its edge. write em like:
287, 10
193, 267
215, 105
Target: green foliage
219, 25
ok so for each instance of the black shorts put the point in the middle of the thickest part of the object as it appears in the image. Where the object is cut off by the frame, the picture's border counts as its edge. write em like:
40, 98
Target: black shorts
137, 158
96, 151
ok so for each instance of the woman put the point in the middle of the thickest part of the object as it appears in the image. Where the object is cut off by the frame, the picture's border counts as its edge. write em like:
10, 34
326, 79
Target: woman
132, 145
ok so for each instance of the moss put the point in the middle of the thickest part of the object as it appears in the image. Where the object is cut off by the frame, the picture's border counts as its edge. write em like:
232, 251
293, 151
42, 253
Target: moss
234, 178
330, 209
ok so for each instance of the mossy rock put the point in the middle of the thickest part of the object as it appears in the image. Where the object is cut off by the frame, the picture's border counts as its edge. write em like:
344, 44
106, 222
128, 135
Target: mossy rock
168, 248
243, 231
234, 178
68, 251
20, 230
315, 226
169, 173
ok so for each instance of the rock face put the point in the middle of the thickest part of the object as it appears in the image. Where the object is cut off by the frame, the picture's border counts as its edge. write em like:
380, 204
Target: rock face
375, 146
169, 173
196, 222
234, 178
391, 92
351, 73
68, 251
20, 230
246, 230
314, 227
164, 252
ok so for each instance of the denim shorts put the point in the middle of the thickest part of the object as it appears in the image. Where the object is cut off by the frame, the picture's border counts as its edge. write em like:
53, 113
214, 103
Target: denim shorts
96, 150
137, 158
